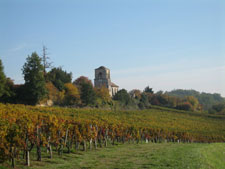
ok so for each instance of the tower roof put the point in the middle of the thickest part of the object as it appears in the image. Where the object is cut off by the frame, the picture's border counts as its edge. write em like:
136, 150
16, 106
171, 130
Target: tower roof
102, 67
113, 84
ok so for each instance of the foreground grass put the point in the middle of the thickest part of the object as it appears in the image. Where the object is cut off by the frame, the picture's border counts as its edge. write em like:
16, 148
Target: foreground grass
152, 155
213, 156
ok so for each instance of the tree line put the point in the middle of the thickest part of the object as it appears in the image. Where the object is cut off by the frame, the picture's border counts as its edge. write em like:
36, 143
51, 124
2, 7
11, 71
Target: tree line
207, 100
55, 87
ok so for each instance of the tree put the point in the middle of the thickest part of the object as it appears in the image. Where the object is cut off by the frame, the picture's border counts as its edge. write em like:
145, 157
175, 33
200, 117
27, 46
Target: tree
206, 100
9, 92
33, 72
135, 93
103, 94
6, 87
184, 106
123, 97
87, 92
2, 79
53, 92
45, 58
193, 101
144, 101
59, 77
219, 107
82, 79
72, 96
148, 90
163, 99
88, 95
172, 101
20, 93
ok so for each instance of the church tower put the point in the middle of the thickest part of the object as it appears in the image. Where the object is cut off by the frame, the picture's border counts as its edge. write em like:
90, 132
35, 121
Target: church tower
102, 78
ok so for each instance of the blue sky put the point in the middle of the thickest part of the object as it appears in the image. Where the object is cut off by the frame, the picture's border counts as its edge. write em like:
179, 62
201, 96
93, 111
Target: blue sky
166, 44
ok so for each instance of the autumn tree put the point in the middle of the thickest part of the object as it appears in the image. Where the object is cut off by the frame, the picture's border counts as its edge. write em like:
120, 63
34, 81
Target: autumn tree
34, 79
206, 100
193, 101
135, 93
82, 79
184, 106
72, 96
173, 101
53, 92
103, 95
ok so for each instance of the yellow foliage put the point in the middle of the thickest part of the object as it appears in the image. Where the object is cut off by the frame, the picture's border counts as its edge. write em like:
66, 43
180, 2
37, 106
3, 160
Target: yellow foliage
193, 101
52, 91
72, 95
103, 94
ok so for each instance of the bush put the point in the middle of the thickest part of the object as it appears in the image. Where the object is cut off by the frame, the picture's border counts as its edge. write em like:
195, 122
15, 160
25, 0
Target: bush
184, 106
211, 111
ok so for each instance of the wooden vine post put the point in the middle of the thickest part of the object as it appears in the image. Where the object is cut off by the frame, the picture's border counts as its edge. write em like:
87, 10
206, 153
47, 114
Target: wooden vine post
38, 143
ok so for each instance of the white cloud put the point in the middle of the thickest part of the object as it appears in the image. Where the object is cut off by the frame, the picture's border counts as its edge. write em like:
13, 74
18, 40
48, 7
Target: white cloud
12, 52
18, 47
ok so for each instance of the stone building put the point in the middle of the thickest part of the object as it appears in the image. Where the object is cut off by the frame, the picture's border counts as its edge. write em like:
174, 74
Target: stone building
102, 78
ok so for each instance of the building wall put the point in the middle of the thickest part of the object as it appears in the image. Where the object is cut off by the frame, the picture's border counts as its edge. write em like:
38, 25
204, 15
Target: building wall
102, 78
114, 90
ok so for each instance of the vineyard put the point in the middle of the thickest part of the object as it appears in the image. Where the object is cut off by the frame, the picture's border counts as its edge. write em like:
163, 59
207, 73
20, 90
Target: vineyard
25, 128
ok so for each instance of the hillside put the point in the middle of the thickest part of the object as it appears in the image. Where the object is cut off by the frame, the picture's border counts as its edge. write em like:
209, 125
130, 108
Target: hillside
65, 130
206, 99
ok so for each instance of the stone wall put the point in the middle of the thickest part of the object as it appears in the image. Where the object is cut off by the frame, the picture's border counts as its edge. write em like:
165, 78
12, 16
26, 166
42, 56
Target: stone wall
102, 78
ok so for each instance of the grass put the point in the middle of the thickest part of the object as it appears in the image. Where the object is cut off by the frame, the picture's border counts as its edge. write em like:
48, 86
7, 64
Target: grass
213, 156
151, 155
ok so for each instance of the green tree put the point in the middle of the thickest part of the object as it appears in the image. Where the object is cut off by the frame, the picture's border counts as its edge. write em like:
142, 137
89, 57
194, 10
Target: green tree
2, 79
123, 97
219, 107
59, 77
148, 90
33, 72
144, 101
9, 94
88, 95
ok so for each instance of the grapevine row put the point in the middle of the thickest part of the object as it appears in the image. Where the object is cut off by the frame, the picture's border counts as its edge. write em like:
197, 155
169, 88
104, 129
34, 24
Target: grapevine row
23, 129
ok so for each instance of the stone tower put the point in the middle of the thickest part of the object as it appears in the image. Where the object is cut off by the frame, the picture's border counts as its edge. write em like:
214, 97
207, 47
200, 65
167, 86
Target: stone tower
102, 78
